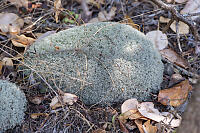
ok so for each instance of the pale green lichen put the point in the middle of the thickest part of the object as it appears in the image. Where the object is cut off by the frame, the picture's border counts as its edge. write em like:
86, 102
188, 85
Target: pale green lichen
12, 105
100, 62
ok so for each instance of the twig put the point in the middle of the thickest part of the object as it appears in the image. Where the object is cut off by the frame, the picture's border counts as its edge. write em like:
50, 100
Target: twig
182, 70
178, 37
179, 17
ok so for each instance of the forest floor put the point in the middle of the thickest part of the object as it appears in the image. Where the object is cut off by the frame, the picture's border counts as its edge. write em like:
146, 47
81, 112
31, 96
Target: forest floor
42, 16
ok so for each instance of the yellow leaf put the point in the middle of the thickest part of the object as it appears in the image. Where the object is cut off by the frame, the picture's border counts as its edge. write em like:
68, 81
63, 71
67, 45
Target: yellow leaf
22, 40
36, 115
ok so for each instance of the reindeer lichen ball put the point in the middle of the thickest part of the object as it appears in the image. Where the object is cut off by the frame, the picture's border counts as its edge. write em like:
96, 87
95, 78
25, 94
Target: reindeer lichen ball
103, 62
12, 105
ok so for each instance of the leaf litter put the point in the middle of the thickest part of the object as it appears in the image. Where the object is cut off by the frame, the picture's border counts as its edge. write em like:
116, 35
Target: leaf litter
143, 114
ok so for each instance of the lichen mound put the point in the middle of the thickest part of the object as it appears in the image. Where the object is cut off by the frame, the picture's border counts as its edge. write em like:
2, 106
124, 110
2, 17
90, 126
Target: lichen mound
12, 105
102, 62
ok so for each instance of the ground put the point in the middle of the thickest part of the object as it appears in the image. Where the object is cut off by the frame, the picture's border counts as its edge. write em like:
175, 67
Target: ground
40, 17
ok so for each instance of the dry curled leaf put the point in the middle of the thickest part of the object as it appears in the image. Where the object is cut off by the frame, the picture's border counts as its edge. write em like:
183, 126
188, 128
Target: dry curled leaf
131, 114
158, 38
147, 110
7, 62
22, 40
129, 104
192, 6
182, 27
149, 128
173, 57
67, 98
130, 22
10, 23
138, 122
176, 95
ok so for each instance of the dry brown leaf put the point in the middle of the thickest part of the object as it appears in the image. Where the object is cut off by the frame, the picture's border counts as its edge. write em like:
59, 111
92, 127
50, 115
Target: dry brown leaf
7, 62
1, 66
149, 128
99, 131
104, 16
174, 57
36, 100
158, 38
19, 3
129, 104
36, 115
22, 41
67, 98
192, 6
10, 23
138, 122
130, 22
58, 8
164, 20
131, 114
182, 27
147, 110
176, 95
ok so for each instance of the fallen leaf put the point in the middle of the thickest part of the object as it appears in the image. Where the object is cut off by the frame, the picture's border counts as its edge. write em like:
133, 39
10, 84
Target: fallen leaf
129, 104
19, 3
104, 16
182, 27
58, 8
36, 100
147, 110
164, 20
158, 38
131, 114
22, 40
176, 95
10, 23
36, 115
7, 62
1, 66
174, 57
99, 131
130, 22
138, 122
149, 128
67, 98
192, 6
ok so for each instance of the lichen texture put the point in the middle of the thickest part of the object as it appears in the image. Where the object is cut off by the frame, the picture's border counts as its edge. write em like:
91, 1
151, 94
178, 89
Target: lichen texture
12, 105
102, 62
